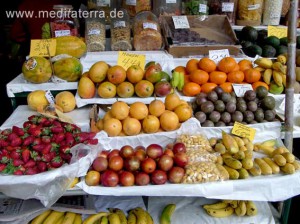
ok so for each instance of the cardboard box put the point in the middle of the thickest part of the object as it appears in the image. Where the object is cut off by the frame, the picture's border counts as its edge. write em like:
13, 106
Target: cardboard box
215, 29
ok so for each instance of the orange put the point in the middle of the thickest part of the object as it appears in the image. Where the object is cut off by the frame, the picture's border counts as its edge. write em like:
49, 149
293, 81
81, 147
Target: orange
207, 65
227, 64
208, 87
227, 87
236, 68
180, 69
191, 89
245, 64
186, 78
191, 65
217, 77
252, 75
259, 83
236, 77
199, 76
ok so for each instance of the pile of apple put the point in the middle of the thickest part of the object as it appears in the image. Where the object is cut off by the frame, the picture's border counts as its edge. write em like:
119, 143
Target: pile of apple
114, 81
138, 166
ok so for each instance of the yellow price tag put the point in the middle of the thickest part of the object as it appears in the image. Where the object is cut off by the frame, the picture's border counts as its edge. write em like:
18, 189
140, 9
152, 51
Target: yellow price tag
39, 47
127, 59
277, 31
242, 130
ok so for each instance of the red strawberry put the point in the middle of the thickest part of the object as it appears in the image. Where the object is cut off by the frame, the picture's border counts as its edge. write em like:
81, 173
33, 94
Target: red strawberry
64, 149
46, 139
59, 137
47, 148
92, 141
26, 155
91, 135
46, 158
30, 163
66, 156
27, 124
81, 137
70, 141
57, 162
2, 167
36, 132
46, 131
15, 154
68, 135
35, 156
3, 143
18, 172
18, 131
47, 123
72, 128
57, 129
37, 141
33, 117
57, 123
31, 171
12, 136
16, 142
55, 147
41, 120
12, 148
17, 162
6, 132
42, 166
28, 140
38, 148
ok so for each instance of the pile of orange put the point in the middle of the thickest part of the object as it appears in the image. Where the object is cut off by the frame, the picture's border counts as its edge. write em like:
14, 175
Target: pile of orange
204, 75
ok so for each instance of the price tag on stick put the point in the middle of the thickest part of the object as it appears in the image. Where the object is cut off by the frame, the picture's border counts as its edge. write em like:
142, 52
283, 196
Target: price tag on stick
243, 131
39, 47
277, 31
127, 59
218, 55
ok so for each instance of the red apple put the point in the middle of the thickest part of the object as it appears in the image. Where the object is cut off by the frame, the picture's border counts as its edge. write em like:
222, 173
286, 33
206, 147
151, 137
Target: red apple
109, 178
112, 153
159, 177
140, 154
132, 163
104, 153
154, 151
175, 174
115, 163
148, 165
126, 151
140, 147
165, 163
181, 159
126, 178
169, 152
142, 179
162, 88
179, 147
100, 164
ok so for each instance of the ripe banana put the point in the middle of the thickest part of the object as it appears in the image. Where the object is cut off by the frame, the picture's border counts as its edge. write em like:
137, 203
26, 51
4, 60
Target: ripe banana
268, 150
131, 218
277, 66
140, 215
149, 218
104, 220
69, 218
53, 217
234, 204
113, 218
241, 210
282, 59
271, 143
40, 218
284, 80
165, 217
218, 205
260, 69
277, 76
120, 213
96, 217
78, 219
175, 79
220, 213
264, 62
267, 76
60, 220
181, 81
251, 208
74, 182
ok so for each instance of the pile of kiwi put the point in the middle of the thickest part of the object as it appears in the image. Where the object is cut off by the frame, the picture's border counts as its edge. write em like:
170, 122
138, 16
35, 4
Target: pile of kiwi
218, 108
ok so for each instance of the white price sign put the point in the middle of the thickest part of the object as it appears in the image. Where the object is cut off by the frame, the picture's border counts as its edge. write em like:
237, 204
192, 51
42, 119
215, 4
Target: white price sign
181, 22
227, 7
240, 89
50, 97
131, 2
150, 26
94, 32
218, 55
202, 8
171, 1
60, 33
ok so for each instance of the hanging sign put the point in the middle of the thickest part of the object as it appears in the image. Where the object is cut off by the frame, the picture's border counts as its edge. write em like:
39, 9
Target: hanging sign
127, 59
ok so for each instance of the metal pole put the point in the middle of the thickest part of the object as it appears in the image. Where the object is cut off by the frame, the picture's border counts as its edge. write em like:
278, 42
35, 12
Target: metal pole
289, 92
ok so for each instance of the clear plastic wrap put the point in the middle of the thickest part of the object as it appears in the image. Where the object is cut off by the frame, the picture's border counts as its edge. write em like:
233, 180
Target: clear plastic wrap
135, 6
197, 142
196, 7
146, 32
249, 12
95, 34
167, 7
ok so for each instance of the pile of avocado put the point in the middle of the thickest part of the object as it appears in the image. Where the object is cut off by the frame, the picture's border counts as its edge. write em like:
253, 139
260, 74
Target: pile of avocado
256, 42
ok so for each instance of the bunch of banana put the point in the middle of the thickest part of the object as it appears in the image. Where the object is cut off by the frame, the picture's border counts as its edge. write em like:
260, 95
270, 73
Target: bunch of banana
177, 80
266, 147
101, 217
227, 208
51, 216
139, 216
275, 71
236, 156
166, 215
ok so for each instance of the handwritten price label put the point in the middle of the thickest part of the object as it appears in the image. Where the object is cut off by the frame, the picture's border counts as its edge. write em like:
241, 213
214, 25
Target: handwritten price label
39, 47
50, 97
243, 131
240, 89
127, 59
277, 31
181, 22
218, 55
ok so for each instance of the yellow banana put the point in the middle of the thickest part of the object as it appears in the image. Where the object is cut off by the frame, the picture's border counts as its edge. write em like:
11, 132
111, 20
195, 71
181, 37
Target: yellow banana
60, 220
234, 204
264, 62
277, 66
93, 218
74, 182
131, 218
227, 201
282, 59
149, 218
120, 213
181, 81
260, 69
53, 217
271, 143
268, 150
284, 80
40, 218
255, 170
275, 168
241, 210
267, 76
78, 219
277, 78
230, 143
251, 208
140, 215
239, 141
165, 217
220, 213
218, 205
69, 218
104, 220
114, 218
265, 168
